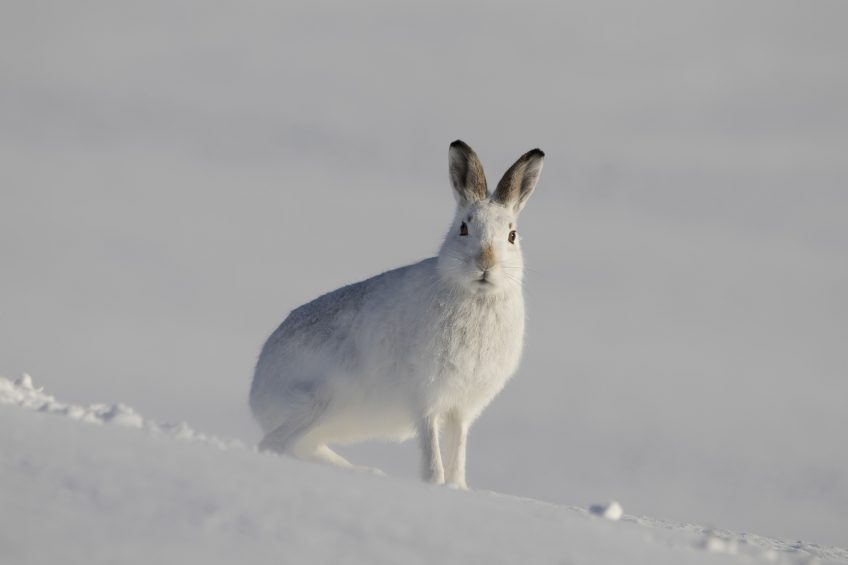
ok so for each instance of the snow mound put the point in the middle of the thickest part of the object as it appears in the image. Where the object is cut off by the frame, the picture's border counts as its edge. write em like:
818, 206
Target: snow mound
22, 392
611, 511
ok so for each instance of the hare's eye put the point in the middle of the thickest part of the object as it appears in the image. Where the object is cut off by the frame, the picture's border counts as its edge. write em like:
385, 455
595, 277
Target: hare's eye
511, 237
463, 229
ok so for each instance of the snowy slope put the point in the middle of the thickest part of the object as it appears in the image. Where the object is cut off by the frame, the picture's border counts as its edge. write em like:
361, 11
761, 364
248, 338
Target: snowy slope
134, 491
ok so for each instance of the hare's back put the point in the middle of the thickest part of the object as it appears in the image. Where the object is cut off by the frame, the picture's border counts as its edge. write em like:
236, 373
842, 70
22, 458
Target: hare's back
322, 321
326, 322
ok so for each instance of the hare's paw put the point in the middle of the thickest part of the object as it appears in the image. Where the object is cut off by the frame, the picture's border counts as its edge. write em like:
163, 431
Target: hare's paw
368, 470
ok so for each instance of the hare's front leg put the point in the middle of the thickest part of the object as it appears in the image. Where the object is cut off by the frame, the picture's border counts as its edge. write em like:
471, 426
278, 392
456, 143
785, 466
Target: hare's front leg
456, 434
431, 456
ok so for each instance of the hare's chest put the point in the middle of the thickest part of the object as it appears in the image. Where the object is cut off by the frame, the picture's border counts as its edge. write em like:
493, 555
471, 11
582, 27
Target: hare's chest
476, 351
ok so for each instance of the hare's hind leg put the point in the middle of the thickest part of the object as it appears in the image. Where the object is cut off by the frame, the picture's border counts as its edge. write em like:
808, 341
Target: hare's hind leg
319, 453
311, 450
292, 438
297, 436
300, 415
282, 438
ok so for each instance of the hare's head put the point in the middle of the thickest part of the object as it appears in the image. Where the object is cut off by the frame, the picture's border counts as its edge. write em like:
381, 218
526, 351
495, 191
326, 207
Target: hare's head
482, 251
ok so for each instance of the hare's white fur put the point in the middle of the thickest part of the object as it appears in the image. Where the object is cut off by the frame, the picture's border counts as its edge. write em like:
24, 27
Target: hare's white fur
417, 350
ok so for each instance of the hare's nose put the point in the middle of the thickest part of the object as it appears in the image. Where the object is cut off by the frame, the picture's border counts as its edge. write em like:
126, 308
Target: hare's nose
486, 260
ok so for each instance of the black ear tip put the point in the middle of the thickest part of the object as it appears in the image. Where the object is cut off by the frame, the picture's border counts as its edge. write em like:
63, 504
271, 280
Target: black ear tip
459, 144
532, 154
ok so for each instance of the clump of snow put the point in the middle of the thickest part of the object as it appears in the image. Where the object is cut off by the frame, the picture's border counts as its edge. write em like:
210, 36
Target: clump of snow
22, 392
611, 510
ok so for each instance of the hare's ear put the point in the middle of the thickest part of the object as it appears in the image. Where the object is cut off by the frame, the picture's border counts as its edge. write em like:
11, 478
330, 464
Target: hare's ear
518, 182
466, 174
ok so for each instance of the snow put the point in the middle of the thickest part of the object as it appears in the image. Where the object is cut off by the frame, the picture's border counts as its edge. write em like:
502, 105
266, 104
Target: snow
611, 510
74, 493
23, 393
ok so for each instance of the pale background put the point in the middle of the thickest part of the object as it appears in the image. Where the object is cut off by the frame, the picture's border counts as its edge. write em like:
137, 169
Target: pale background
176, 176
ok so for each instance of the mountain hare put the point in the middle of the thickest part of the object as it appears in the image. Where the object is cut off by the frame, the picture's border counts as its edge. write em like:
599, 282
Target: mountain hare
417, 350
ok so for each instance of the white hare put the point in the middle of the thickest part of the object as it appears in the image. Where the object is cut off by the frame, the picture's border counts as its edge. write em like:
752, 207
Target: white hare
418, 350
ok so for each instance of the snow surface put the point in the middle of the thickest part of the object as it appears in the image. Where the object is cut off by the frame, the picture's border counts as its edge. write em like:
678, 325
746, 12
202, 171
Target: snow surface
23, 393
75, 493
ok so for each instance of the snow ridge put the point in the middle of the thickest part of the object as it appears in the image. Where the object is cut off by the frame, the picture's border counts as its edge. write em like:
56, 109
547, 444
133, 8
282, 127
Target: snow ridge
23, 393
208, 489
